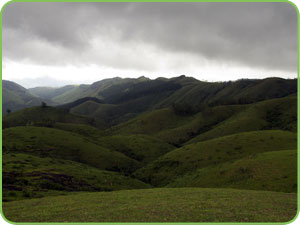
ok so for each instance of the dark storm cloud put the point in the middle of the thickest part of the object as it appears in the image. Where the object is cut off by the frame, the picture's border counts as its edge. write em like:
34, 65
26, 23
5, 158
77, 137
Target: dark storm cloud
262, 35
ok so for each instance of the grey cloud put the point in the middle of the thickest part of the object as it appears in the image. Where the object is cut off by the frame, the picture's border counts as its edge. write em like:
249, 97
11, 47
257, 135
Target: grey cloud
262, 35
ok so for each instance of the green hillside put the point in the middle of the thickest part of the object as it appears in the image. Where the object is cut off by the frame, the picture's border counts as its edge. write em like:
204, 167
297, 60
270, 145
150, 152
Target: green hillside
50, 92
142, 148
158, 205
278, 113
83, 129
212, 152
30, 176
218, 151
16, 97
201, 122
273, 171
242, 91
152, 122
49, 142
41, 116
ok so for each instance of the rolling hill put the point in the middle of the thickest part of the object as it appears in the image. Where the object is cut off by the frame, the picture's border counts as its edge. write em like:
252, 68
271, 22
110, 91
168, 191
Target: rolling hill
41, 116
16, 97
50, 142
212, 152
272, 171
198, 151
31, 176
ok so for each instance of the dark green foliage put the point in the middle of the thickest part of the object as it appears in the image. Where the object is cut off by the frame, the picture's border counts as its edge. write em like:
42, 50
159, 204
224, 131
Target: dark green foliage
44, 105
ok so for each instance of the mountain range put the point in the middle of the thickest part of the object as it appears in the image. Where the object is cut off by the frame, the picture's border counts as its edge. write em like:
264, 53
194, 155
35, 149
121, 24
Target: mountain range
157, 143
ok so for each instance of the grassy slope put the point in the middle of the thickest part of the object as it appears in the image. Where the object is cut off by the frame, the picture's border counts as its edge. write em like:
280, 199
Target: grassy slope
151, 123
273, 171
28, 176
140, 147
270, 114
72, 95
82, 129
50, 92
16, 97
212, 152
239, 92
42, 116
49, 142
200, 123
158, 205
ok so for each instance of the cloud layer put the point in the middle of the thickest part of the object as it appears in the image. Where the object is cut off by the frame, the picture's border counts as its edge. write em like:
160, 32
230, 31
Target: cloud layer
152, 36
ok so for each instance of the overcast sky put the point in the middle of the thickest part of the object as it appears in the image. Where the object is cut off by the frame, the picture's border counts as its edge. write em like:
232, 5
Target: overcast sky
52, 44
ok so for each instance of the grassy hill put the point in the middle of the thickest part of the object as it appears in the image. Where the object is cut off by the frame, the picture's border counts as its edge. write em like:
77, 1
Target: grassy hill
41, 116
16, 97
152, 122
50, 92
212, 152
83, 129
142, 148
158, 205
278, 113
242, 91
31, 176
213, 121
83, 160
273, 171
49, 142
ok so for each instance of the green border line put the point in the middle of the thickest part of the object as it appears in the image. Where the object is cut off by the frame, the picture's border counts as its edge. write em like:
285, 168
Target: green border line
172, 223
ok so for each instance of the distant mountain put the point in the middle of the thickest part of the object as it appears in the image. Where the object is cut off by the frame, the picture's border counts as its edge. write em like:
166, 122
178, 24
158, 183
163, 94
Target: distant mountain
116, 100
69, 93
16, 97
50, 92
123, 99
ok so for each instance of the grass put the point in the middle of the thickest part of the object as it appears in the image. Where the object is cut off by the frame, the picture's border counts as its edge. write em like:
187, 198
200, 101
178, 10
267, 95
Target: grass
41, 116
82, 129
49, 142
200, 123
140, 147
151, 123
273, 171
158, 205
270, 114
29, 176
212, 152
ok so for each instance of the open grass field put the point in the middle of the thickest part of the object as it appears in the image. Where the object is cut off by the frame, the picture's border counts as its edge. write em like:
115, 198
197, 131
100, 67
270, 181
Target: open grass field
153, 205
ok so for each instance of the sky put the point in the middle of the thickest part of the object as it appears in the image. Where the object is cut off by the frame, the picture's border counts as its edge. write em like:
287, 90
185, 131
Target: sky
57, 43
